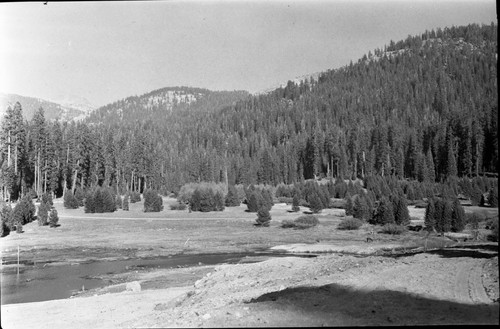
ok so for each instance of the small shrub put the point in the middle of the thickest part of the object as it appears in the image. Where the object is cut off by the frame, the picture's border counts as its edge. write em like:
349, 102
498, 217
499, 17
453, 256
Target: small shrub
350, 224
100, 200
119, 202
6, 220
79, 196
70, 202
219, 201
135, 197
178, 206
315, 203
53, 218
263, 217
393, 229
255, 201
284, 199
125, 204
153, 202
296, 203
494, 231
47, 198
232, 198
43, 214
309, 220
287, 223
338, 203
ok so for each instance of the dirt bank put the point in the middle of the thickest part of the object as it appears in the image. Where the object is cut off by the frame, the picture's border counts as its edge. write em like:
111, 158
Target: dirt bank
459, 286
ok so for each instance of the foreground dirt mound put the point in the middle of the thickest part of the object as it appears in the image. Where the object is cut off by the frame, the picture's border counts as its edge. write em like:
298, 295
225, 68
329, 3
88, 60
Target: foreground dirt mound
337, 290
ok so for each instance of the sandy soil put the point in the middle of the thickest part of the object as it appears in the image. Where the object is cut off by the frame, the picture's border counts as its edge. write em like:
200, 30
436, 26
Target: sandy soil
331, 290
359, 283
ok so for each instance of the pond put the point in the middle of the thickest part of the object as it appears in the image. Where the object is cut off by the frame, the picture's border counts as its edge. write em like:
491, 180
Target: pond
43, 281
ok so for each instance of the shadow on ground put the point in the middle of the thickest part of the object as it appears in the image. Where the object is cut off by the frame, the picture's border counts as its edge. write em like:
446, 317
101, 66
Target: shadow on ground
335, 304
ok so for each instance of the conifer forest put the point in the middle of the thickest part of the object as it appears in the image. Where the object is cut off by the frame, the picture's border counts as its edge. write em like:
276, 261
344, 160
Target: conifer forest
423, 109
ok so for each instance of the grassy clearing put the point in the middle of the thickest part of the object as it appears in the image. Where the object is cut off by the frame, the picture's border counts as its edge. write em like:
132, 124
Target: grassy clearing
137, 234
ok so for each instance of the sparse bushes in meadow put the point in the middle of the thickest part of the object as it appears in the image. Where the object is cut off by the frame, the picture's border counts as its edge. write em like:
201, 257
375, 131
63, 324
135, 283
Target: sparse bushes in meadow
187, 190
153, 202
205, 200
303, 222
350, 224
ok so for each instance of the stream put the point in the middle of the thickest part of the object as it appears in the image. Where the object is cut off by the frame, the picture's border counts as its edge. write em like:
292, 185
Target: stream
44, 281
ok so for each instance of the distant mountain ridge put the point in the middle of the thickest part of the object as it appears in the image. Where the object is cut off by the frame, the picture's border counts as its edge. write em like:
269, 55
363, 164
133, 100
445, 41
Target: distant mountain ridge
67, 109
162, 102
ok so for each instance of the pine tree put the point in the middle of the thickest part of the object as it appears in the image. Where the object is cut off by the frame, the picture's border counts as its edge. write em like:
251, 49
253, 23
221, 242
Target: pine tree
54, 218
219, 201
401, 214
360, 208
43, 213
430, 215
119, 202
447, 217
267, 198
125, 205
493, 197
349, 206
255, 202
89, 206
315, 203
385, 213
263, 217
296, 203
70, 202
194, 201
232, 199
458, 217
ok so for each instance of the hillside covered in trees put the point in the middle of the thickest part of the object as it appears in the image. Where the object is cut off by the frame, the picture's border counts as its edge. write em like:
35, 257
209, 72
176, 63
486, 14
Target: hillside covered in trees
424, 109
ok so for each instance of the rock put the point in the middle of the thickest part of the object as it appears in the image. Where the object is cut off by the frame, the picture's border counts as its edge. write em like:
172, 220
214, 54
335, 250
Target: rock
206, 316
133, 286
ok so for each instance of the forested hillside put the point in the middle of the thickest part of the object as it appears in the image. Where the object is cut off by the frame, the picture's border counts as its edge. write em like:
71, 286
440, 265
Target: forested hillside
424, 108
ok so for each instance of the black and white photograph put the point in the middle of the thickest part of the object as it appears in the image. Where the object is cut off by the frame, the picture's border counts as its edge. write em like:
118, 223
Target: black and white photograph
248, 163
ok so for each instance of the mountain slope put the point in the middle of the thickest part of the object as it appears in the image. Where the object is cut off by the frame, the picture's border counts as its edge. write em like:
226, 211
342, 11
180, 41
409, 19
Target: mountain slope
64, 111
161, 103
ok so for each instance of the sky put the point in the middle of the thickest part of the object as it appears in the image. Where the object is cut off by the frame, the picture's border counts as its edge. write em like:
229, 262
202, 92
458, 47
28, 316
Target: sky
106, 51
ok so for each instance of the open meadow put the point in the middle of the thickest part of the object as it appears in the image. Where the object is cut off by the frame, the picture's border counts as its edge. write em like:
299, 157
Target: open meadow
259, 290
